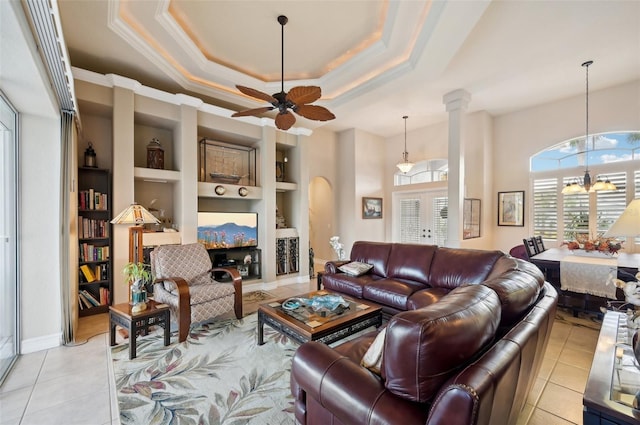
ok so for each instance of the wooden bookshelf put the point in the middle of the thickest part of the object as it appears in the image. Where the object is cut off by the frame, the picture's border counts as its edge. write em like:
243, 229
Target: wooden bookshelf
95, 283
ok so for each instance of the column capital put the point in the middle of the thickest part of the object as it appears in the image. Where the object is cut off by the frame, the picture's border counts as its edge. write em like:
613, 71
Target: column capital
457, 99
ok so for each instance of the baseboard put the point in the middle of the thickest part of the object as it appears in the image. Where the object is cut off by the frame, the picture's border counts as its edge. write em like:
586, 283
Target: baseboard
40, 343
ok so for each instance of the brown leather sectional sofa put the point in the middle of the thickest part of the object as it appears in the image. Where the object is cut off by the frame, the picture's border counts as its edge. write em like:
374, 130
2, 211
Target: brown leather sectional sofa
464, 343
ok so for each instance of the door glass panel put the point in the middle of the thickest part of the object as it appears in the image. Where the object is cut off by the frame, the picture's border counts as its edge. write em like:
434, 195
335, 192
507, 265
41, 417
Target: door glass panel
8, 243
422, 218
410, 220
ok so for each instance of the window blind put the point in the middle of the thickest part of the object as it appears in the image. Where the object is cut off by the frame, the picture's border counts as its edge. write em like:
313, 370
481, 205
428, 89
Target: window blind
410, 220
545, 208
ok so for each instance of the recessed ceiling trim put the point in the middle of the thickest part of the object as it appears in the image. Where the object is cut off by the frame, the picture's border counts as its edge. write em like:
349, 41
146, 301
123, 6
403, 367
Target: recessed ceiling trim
163, 40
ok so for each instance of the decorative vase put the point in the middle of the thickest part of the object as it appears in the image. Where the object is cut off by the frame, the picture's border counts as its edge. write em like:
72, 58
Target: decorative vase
138, 297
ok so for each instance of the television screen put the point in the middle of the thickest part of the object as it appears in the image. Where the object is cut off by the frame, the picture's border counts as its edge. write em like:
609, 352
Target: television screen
219, 230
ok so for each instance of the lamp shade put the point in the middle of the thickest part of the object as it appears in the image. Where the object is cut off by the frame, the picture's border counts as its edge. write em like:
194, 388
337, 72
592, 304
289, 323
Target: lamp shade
405, 167
628, 224
135, 214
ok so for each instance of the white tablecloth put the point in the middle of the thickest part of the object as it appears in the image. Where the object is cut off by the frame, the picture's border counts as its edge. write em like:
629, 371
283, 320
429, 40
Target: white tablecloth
589, 275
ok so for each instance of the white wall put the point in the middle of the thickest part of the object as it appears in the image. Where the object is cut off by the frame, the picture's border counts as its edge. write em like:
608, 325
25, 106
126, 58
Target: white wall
323, 188
24, 82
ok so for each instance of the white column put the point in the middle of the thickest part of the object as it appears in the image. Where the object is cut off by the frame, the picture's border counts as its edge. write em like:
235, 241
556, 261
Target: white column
122, 188
456, 103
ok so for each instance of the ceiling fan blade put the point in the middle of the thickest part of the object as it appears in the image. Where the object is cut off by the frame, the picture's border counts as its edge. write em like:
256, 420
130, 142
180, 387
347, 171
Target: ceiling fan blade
304, 94
257, 94
314, 112
254, 112
285, 120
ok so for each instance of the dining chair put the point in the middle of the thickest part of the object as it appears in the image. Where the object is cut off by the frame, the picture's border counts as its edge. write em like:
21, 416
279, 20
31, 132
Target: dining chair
529, 246
538, 244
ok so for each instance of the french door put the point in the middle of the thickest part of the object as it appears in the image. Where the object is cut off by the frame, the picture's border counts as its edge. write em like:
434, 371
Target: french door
8, 238
420, 217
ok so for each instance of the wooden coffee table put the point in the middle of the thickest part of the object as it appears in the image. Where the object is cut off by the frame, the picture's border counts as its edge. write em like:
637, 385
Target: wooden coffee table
312, 327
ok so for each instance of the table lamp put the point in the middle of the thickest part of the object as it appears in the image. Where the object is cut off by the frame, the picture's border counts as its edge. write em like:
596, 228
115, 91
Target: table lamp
627, 225
138, 215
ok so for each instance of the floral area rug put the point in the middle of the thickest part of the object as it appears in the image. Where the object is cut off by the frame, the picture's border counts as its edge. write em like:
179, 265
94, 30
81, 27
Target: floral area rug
219, 375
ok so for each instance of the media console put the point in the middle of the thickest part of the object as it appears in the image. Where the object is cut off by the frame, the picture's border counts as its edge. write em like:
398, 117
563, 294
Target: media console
246, 260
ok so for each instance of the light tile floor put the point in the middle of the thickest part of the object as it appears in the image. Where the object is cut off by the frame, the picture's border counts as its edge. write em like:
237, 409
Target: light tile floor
73, 385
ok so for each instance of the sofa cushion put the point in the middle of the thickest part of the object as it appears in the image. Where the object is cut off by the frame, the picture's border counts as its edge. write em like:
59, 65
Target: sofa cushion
410, 262
453, 267
375, 253
355, 268
426, 297
390, 292
348, 285
424, 347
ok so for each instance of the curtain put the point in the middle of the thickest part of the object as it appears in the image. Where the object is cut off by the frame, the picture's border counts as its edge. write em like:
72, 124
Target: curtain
68, 228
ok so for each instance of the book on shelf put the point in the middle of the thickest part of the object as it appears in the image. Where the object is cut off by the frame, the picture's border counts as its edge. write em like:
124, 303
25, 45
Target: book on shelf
91, 199
87, 273
84, 301
92, 228
92, 300
104, 296
90, 252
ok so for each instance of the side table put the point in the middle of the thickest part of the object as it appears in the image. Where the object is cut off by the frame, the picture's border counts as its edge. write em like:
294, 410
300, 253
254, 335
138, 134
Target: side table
155, 314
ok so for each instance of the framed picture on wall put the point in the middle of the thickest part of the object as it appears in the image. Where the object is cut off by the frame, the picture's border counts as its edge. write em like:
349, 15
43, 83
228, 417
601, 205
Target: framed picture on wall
471, 219
371, 207
511, 208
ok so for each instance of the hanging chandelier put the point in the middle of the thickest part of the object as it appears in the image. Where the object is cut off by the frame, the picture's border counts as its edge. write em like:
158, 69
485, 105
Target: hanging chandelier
405, 166
586, 186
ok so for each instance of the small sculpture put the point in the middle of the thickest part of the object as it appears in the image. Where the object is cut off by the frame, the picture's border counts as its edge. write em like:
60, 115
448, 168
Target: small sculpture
337, 246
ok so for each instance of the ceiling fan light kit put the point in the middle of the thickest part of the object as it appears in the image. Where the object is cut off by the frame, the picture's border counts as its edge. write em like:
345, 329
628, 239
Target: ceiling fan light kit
297, 100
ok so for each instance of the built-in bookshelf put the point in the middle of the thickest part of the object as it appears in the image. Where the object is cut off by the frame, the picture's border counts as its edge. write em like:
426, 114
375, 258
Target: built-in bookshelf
94, 241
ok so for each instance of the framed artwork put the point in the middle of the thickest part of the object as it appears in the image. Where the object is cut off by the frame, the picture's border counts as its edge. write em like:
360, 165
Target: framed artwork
511, 208
471, 219
371, 207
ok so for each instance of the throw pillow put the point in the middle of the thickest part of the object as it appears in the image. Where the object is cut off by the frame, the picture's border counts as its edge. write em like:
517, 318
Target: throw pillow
355, 268
372, 359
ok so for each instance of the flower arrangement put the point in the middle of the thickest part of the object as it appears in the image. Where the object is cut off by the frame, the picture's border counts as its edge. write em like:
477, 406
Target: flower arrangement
337, 246
600, 244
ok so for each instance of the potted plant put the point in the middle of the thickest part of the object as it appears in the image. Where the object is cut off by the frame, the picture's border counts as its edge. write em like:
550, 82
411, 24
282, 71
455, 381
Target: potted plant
136, 274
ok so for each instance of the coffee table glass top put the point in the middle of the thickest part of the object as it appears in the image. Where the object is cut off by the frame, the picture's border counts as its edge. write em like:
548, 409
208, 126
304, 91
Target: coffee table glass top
625, 382
313, 318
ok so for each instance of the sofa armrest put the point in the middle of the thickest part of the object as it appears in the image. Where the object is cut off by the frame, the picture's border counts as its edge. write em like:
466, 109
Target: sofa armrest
237, 286
345, 390
332, 266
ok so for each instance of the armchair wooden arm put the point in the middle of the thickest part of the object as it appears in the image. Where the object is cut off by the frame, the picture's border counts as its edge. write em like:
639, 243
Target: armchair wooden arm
184, 305
237, 285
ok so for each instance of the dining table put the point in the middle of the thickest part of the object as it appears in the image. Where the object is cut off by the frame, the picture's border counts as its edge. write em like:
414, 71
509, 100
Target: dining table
585, 280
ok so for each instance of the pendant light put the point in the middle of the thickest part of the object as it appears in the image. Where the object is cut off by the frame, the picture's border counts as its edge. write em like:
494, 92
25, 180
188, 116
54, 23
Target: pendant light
576, 187
405, 166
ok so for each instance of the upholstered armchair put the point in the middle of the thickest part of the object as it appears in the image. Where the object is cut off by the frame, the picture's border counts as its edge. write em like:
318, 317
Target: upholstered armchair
184, 280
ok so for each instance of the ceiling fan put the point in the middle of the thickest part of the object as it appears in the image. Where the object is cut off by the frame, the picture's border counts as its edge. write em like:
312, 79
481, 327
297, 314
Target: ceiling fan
297, 100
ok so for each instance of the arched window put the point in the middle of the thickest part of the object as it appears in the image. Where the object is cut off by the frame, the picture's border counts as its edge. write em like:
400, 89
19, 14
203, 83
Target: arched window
610, 156
430, 170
